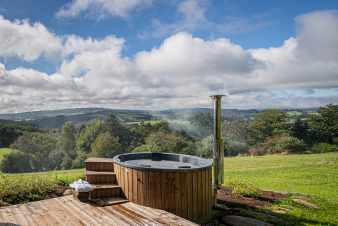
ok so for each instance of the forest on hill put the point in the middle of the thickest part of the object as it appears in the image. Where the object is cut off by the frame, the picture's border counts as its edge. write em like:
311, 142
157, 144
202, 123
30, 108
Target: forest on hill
272, 131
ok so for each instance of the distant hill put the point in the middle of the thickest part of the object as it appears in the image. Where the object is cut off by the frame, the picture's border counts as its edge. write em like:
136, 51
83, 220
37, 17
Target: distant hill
79, 116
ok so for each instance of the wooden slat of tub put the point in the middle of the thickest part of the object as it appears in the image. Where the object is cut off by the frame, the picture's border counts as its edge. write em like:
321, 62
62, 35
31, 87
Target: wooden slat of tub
126, 181
134, 186
205, 200
151, 189
177, 198
210, 200
184, 194
187, 194
164, 191
130, 183
200, 193
171, 197
139, 187
158, 191
195, 194
145, 188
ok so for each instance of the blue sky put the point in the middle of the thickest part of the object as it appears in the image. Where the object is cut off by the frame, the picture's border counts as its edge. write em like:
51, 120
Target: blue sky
253, 50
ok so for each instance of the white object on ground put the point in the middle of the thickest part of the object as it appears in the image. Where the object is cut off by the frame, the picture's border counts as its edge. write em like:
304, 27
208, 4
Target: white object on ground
81, 186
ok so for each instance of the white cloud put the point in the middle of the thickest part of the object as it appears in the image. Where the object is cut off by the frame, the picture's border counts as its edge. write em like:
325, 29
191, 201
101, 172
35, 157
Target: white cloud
181, 72
308, 60
30, 41
27, 40
101, 8
183, 60
75, 44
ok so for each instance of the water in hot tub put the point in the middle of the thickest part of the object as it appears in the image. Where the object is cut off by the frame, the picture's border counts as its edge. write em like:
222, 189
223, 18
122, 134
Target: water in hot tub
161, 164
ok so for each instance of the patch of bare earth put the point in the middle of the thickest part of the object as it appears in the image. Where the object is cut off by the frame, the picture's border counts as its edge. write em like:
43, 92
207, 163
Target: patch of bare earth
247, 210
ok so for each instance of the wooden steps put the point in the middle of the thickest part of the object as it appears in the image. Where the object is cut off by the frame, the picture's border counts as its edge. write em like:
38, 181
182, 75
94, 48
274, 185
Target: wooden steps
106, 191
100, 173
99, 177
100, 164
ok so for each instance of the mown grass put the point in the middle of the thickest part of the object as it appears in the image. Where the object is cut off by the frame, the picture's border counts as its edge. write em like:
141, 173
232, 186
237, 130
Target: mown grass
25, 187
314, 175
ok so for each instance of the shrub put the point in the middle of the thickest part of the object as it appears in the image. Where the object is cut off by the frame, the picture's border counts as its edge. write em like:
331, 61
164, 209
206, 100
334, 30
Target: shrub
16, 162
234, 148
283, 143
324, 147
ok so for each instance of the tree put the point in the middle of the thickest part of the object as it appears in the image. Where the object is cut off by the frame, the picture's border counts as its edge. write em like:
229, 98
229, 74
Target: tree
203, 122
11, 130
140, 131
88, 135
16, 162
324, 125
167, 142
66, 145
38, 146
105, 145
116, 129
283, 143
266, 124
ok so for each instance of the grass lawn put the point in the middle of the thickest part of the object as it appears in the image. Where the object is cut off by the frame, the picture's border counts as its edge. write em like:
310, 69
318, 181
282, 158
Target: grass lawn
314, 175
4, 151
25, 187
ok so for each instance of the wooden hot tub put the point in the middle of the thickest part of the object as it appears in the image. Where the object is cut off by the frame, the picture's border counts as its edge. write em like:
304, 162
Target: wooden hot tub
180, 184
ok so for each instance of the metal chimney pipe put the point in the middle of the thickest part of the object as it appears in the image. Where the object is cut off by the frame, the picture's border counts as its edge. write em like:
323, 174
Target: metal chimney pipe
218, 149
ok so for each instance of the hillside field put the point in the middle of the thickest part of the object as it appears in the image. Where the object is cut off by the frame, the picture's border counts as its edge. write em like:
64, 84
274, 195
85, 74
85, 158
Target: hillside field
313, 175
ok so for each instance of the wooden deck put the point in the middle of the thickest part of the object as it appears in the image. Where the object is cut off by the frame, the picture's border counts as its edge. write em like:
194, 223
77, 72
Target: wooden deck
68, 211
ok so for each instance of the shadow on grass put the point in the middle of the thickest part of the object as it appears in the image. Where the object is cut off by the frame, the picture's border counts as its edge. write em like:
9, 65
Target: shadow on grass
265, 214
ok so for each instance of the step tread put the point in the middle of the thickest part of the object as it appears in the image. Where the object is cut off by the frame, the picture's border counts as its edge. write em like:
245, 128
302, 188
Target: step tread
105, 186
99, 160
109, 201
92, 172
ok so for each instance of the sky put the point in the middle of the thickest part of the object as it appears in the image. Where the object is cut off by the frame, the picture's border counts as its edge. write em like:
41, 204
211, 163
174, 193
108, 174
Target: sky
154, 54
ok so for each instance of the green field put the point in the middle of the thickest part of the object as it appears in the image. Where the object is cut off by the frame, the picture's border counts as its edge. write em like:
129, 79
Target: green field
25, 187
314, 175
4, 151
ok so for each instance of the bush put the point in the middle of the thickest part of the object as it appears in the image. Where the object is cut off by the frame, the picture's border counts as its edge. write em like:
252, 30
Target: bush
16, 162
324, 147
142, 148
283, 143
234, 148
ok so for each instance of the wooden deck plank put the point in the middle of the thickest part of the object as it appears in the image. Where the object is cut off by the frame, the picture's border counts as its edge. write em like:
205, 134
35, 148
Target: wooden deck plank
68, 211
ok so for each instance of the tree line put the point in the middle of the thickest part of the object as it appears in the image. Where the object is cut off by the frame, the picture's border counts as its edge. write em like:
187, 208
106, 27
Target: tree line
42, 150
269, 132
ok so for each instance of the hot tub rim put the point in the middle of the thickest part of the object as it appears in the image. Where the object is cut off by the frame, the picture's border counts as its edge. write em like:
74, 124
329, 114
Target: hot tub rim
208, 163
